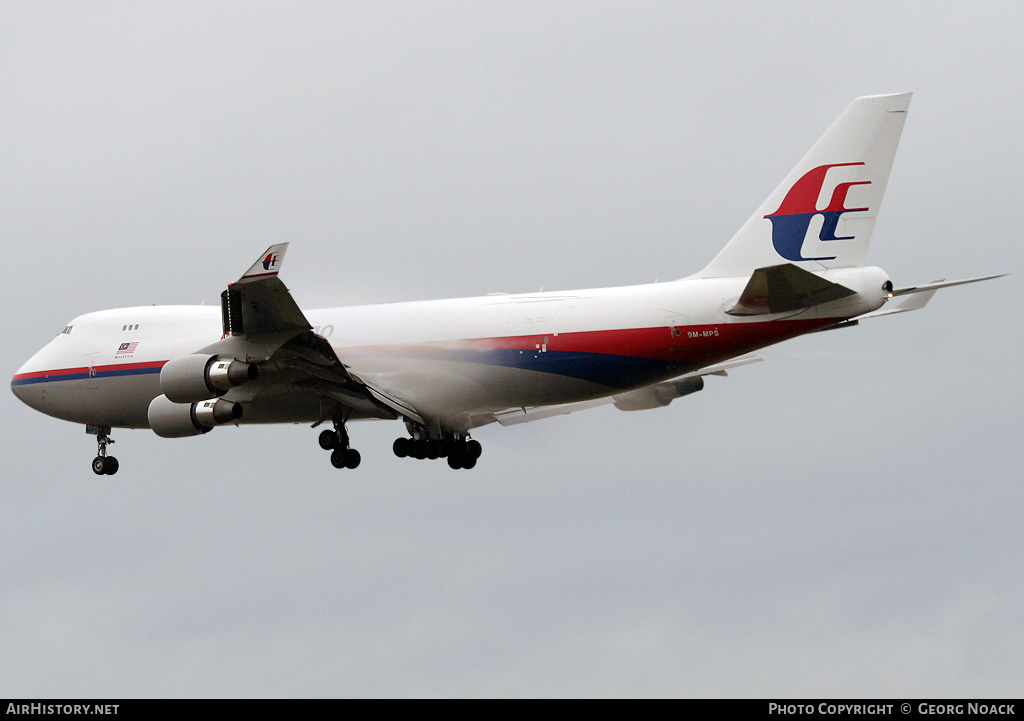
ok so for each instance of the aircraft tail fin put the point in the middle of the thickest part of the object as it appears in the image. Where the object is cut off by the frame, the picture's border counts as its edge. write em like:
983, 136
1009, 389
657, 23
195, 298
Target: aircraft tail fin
823, 213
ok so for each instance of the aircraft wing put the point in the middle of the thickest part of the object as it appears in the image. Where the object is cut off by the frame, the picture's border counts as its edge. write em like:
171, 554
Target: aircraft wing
263, 323
652, 396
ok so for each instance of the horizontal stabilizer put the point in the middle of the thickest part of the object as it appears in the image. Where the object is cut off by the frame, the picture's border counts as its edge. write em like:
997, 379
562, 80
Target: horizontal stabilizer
942, 283
911, 302
916, 297
782, 288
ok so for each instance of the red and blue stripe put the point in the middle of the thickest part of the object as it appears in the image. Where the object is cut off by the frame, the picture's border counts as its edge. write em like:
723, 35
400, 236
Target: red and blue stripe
86, 372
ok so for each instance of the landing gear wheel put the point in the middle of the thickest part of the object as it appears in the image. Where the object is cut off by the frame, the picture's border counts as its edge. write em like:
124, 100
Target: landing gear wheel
352, 458
328, 440
401, 447
463, 454
338, 458
345, 458
419, 450
433, 449
104, 465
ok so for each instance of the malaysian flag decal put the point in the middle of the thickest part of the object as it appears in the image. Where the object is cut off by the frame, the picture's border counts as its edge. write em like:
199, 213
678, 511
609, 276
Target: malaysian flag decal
126, 348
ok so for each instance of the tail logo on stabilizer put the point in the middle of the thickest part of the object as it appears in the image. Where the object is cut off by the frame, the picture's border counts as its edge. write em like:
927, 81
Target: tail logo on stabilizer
271, 260
793, 218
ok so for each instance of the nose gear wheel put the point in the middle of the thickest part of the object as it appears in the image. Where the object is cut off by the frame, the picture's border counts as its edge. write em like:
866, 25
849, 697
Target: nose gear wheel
102, 464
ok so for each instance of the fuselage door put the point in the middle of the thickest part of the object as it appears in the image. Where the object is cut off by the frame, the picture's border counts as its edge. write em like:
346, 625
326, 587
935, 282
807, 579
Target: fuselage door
676, 324
91, 360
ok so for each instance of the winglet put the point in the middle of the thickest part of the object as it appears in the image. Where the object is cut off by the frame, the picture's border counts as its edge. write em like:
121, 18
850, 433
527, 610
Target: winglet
268, 264
258, 302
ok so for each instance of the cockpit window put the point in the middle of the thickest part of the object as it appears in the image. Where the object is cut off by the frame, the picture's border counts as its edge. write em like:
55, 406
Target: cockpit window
66, 330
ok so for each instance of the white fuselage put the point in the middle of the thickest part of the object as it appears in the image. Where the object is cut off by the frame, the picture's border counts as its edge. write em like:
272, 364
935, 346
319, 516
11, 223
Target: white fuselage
453, 360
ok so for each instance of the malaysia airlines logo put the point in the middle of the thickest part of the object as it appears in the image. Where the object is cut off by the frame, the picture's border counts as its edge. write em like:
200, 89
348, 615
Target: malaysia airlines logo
270, 261
792, 220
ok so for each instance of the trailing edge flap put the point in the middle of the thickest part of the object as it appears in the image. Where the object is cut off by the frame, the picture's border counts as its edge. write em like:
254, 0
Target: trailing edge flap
396, 404
783, 288
622, 401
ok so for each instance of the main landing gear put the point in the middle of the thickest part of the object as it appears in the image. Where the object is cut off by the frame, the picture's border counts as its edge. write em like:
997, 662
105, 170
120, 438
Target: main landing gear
336, 441
460, 451
102, 464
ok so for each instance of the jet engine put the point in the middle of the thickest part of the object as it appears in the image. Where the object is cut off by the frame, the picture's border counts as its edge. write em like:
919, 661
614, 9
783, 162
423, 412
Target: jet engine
658, 395
177, 420
196, 377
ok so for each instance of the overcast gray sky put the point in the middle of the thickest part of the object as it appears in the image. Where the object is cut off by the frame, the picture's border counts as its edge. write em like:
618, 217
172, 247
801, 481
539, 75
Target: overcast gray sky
842, 519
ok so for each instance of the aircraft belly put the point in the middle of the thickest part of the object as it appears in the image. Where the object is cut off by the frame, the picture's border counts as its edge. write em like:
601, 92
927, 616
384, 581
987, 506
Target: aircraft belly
294, 406
445, 389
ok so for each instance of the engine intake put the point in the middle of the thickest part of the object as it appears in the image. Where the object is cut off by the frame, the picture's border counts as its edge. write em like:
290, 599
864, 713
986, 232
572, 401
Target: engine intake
178, 420
196, 377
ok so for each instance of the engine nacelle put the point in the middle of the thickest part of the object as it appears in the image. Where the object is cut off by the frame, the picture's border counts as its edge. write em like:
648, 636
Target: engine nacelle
196, 377
178, 420
659, 395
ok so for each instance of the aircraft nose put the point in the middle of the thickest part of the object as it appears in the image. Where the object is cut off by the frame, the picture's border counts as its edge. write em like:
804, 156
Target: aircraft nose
29, 396
29, 384
23, 385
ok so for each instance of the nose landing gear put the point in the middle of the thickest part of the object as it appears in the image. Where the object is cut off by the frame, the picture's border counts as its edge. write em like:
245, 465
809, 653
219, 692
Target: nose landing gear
102, 464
